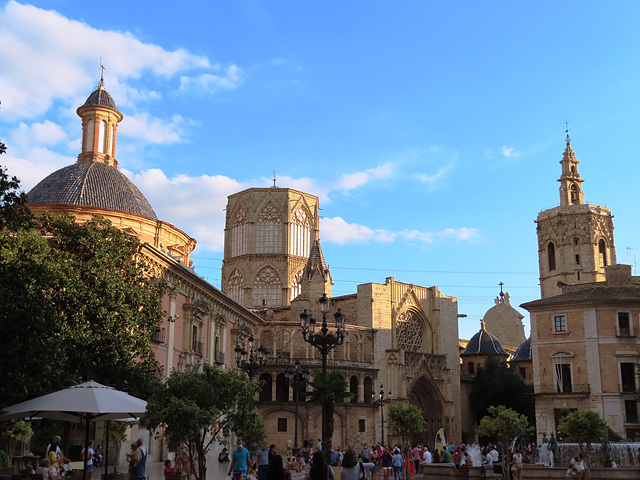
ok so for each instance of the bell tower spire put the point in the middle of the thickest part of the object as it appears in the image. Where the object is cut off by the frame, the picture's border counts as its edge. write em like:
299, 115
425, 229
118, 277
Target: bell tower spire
570, 182
100, 118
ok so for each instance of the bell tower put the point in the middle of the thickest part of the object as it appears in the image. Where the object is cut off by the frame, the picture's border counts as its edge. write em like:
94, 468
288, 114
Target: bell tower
575, 240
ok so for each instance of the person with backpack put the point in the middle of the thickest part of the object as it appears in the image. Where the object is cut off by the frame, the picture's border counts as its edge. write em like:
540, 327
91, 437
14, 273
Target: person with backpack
352, 469
396, 463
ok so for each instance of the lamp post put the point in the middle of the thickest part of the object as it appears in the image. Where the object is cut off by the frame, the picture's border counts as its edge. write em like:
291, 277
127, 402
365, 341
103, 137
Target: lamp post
324, 341
297, 380
381, 401
252, 361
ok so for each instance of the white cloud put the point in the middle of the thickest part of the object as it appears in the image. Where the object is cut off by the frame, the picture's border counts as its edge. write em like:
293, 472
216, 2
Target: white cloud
145, 128
337, 230
193, 204
435, 177
39, 65
349, 181
210, 83
510, 152
46, 133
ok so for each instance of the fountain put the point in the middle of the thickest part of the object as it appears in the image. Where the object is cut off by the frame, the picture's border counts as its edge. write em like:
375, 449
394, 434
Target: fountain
622, 454
474, 453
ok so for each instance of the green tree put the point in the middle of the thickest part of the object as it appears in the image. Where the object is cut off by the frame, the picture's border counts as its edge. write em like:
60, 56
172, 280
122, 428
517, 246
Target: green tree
503, 424
197, 409
496, 383
327, 390
406, 420
77, 303
15, 431
584, 427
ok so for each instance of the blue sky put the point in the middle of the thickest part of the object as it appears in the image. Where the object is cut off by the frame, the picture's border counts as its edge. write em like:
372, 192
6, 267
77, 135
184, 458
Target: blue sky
430, 130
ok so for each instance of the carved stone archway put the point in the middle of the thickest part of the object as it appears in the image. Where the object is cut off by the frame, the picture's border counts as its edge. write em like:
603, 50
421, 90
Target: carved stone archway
426, 395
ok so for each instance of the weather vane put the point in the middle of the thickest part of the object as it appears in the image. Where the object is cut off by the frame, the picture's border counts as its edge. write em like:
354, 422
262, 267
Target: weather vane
568, 140
101, 72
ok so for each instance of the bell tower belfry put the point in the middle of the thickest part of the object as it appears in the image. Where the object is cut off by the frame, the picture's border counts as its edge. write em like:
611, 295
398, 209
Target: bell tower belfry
575, 240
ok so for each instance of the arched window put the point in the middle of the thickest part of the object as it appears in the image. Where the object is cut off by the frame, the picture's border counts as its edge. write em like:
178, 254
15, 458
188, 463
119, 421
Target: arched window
102, 137
575, 194
267, 289
353, 388
551, 253
296, 285
269, 230
112, 139
300, 238
282, 389
235, 287
368, 390
265, 394
602, 253
88, 146
239, 233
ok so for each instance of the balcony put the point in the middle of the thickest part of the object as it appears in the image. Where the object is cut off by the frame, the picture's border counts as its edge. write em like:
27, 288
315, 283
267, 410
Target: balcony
197, 347
581, 389
159, 336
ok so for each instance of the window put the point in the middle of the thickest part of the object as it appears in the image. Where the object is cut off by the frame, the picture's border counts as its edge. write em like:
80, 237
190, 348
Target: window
235, 287
269, 230
88, 146
577, 259
102, 137
472, 368
239, 228
563, 377
576, 241
560, 323
624, 325
300, 230
631, 411
602, 253
296, 285
551, 253
282, 424
523, 372
368, 390
361, 426
267, 290
282, 389
353, 388
628, 377
575, 197
265, 394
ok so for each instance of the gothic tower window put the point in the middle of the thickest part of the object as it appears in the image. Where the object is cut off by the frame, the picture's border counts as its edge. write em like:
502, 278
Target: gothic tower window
602, 253
239, 233
353, 388
88, 146
267, 288
551, 253
368, 390
296, 285
269, 230
235, 287
300, 234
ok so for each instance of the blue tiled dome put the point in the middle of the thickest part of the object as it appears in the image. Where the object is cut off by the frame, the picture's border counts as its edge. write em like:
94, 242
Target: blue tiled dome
523, 353
91, 184
484, 342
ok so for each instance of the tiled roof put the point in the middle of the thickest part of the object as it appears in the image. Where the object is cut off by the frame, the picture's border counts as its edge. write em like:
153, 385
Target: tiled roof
484, 342
523, 353
91, 184
100, 97
599, 294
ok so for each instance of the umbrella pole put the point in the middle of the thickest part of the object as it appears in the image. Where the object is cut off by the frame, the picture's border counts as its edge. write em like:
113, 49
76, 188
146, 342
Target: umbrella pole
86, 448
106, 453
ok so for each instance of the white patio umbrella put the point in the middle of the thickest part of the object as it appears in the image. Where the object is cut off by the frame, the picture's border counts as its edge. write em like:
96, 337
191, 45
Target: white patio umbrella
89, 401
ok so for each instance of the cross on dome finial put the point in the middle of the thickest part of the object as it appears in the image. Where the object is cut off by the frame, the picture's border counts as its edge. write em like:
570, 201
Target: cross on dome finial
501, 292
568, 139
101, 73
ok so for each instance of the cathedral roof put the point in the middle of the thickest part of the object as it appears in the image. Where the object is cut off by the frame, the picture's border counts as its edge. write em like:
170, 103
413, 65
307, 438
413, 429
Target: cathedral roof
523, 353
484, 342
101, 98
595, 294
91, 184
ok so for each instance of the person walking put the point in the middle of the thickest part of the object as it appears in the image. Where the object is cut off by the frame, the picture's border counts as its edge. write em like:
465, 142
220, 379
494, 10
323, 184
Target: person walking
139, 461
396, 463
240, 462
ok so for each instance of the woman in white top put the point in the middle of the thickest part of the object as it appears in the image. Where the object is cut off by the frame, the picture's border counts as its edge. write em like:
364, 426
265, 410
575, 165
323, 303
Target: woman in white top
351, 468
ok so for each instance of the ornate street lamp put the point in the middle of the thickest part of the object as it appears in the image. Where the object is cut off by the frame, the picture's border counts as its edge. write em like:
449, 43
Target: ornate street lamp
297, 380
325, 341
381, 402
252, 361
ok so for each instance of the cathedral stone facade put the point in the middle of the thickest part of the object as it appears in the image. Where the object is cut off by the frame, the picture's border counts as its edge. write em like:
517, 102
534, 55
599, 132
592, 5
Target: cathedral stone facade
399, 337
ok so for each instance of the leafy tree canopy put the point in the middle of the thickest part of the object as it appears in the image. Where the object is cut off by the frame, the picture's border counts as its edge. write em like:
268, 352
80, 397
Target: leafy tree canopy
497, 384
197, 409
405, 419
584, 426
77, 304
503, 424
